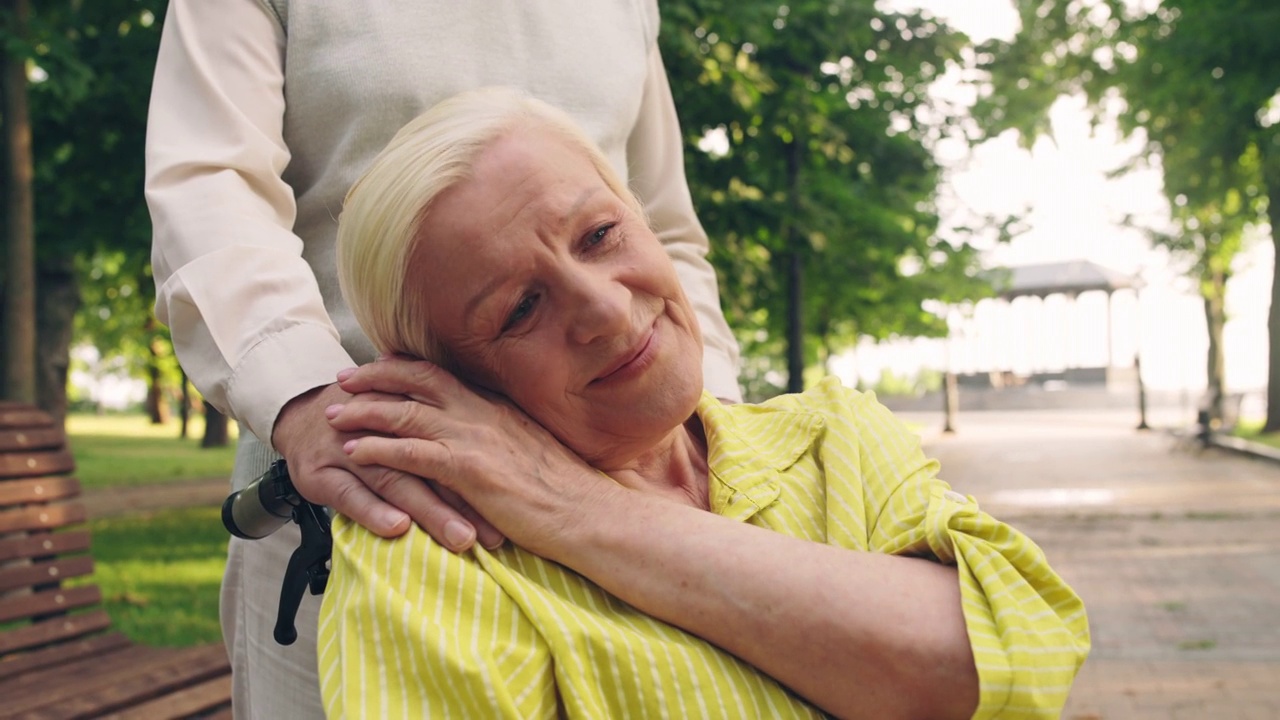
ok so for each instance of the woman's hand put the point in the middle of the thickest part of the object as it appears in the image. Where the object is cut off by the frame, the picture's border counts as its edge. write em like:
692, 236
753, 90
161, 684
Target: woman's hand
474, 443
381, 499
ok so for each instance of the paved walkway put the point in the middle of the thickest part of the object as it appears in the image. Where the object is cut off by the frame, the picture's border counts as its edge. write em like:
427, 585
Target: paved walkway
1176, 554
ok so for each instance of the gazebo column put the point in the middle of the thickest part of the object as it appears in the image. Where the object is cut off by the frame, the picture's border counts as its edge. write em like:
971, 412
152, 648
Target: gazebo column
1037, 364
1110, 334
1004, 331
1070, 347
1028, 333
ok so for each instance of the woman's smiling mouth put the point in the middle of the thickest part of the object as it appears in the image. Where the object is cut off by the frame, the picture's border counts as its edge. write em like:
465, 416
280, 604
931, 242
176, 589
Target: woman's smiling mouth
632, 362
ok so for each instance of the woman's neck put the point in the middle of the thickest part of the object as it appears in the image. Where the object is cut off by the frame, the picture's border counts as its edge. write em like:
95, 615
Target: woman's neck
675, 468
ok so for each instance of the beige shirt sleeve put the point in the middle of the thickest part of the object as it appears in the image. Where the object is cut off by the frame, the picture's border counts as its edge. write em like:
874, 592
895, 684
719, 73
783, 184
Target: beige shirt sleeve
655, 159
244, 309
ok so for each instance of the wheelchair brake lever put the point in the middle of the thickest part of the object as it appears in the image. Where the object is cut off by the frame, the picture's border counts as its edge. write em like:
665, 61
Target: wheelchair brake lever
308, 568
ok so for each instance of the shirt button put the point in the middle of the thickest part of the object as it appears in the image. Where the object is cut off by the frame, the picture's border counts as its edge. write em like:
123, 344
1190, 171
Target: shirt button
954, 496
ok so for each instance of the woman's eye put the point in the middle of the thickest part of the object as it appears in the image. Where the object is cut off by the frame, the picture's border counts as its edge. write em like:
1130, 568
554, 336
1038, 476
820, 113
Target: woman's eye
522, 309
599, 235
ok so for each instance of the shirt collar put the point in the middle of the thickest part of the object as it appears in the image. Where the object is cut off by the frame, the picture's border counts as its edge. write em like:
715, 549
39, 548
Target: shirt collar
748, 448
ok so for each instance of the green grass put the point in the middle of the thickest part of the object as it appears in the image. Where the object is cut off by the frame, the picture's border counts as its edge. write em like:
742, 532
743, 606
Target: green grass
113, 450
159, 574
1197, 644
1252, 430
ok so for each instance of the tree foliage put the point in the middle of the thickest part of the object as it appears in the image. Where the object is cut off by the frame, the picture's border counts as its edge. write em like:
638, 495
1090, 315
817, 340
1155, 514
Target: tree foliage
92, 64
90, 165
825, 169
810, 129
1200, 79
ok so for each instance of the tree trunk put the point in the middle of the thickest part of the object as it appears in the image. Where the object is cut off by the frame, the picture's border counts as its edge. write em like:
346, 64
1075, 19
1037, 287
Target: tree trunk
184, 407
215, 428
1273, 327
1270, 147
1214, 291
950, 401
824, 342
20, 273
795, 273
55, 315
157, 408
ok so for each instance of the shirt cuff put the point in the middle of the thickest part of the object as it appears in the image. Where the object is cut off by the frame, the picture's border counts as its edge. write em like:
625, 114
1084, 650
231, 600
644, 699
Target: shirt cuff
280, 368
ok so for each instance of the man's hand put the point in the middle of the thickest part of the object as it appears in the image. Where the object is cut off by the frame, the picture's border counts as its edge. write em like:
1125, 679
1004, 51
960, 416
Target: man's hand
380, 499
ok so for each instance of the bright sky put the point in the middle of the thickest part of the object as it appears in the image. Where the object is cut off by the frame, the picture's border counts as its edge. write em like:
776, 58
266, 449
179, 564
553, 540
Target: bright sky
1074, 212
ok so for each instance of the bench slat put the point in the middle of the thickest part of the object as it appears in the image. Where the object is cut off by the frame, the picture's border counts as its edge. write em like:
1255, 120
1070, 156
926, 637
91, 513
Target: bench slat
123, 685
44, 573
48, 601
44, 685
197, 699
25, 693
38, 490
16, 415
17, 664
43, 544
31, 438
53, 630
42, 517
62, 664
26, 464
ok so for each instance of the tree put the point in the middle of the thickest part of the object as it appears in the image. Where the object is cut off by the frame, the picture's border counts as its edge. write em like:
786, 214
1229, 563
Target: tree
820, 196
1200, 79
116, 317
98, 225
96, 61
19, 281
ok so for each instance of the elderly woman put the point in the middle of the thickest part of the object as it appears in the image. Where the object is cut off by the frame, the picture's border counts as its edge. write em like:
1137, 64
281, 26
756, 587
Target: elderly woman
671, 556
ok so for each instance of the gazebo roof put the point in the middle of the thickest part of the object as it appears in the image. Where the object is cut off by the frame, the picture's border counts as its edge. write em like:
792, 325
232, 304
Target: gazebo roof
1067, 278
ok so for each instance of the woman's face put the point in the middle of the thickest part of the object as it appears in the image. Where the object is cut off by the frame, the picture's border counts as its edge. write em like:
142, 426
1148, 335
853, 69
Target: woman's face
544, 286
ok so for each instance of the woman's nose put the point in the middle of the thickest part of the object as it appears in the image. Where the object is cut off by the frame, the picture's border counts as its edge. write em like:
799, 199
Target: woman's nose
601, 308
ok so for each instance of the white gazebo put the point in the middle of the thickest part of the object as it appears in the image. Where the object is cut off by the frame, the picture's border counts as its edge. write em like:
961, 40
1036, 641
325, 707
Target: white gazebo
1046, 328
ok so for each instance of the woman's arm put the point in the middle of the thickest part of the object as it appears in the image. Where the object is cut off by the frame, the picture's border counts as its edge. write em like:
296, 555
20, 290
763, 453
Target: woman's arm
858, 634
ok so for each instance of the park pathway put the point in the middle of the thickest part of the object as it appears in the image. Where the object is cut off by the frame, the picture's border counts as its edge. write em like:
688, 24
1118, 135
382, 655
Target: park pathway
1176, 554
115, 501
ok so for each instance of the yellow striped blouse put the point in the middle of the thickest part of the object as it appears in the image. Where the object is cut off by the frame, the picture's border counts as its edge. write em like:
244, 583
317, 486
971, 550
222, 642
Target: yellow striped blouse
408, 629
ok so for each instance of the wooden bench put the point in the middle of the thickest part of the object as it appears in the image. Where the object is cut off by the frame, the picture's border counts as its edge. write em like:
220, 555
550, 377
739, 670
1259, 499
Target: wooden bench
59, 657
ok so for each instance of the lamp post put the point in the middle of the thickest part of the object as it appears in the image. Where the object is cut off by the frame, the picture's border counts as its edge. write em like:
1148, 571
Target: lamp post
1142, 393
1137, 352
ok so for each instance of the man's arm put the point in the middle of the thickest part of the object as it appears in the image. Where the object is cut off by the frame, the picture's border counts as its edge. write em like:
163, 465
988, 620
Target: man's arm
655, 159
246, 314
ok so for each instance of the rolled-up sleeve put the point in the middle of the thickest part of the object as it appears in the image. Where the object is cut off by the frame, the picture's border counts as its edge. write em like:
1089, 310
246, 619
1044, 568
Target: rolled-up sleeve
1027, 627
247, 318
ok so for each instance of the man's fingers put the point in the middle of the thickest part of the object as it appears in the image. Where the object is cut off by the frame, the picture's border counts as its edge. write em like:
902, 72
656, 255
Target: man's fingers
343, 492
485, 532
422, 457
428, 507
